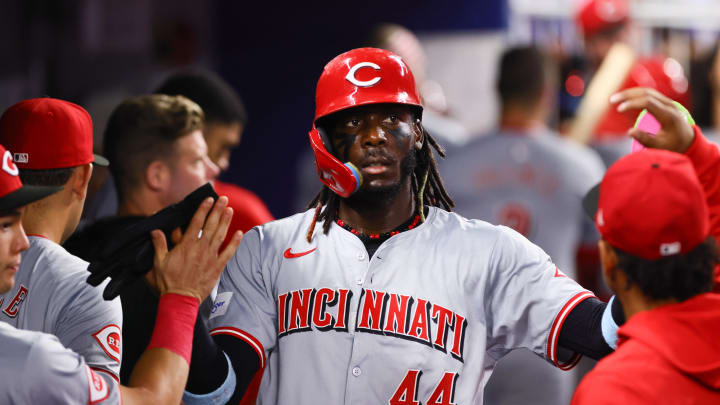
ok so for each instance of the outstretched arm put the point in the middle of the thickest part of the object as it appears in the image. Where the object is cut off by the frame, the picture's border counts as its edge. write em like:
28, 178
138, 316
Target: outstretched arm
184, 276
678, 135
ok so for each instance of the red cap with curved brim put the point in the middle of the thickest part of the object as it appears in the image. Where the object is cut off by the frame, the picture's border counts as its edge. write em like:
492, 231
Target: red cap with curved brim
650, 204
596, 16
12, 192
48, 133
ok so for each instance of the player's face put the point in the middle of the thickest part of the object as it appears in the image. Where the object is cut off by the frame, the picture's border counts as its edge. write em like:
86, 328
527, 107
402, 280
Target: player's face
191, 167
12, 242
378, 140
221, 140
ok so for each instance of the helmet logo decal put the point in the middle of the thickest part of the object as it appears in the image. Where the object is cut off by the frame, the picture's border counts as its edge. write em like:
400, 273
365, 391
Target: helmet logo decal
7, 164
362, 83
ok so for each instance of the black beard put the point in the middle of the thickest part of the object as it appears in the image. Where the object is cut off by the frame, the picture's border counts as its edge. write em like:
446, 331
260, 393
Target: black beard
385, 194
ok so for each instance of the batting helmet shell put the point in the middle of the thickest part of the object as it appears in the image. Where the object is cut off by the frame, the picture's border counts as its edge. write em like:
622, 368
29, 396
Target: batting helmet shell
358, 77
364, 76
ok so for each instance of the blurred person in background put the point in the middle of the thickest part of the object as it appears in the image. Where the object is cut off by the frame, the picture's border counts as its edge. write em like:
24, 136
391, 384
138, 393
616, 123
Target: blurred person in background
604, 23
159, 156
527, 177
225, 121
705, 85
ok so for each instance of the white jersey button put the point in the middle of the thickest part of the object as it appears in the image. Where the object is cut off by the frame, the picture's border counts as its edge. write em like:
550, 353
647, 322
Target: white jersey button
359, 281
356, 371
361, 256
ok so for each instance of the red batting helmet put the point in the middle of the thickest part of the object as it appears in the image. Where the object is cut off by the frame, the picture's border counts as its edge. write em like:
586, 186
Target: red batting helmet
358, 77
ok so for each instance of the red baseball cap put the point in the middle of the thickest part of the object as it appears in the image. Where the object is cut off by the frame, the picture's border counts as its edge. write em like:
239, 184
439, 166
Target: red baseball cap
12, 192
47, 133
598, 15
650, 204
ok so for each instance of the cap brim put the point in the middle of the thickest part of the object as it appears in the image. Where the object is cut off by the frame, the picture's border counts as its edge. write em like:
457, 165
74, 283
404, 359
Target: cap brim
100, 161
590, 201
25, 195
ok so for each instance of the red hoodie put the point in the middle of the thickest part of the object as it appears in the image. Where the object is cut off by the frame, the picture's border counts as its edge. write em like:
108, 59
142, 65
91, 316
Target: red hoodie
669, 355
705, 157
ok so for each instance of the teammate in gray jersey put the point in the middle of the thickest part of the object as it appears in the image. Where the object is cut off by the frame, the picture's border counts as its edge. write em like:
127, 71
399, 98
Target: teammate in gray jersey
51, 142
528, 178
35, 368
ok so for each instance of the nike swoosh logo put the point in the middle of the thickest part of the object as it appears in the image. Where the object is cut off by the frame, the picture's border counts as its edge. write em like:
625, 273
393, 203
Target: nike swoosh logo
290, 255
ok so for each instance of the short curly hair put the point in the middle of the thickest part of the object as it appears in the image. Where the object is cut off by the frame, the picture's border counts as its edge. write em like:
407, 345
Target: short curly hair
679, 276
144, 129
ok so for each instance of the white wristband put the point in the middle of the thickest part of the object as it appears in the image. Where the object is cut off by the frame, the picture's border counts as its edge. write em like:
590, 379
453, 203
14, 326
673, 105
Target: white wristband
220, 396
608, 325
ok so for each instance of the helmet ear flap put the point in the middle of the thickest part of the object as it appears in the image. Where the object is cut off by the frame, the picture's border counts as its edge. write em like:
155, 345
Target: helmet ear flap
343, 179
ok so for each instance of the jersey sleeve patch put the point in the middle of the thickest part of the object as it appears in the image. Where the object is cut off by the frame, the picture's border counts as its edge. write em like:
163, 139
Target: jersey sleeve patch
99, 390
109, 339
552, 350
220, 307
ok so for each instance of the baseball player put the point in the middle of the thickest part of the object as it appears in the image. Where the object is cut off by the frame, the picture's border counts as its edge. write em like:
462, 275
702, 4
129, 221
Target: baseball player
656, 211
528, 178
51, 141
35, 368
379, 294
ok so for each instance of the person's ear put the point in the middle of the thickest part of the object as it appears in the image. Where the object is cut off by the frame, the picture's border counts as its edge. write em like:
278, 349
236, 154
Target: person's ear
80, 179
609, 263
157, 176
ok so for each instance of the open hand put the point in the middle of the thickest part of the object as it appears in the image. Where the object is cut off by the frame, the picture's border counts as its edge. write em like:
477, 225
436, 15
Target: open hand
676, 133
194, 265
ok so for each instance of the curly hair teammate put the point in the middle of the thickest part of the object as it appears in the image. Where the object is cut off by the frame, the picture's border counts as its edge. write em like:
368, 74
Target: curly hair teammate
390, 298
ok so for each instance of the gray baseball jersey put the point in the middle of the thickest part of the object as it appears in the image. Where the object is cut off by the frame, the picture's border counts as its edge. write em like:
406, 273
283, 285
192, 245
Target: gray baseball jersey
533, 183
51, 296
35, 368
425, 319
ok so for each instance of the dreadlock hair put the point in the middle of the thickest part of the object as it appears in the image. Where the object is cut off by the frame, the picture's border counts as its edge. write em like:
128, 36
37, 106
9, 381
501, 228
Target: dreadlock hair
427, 187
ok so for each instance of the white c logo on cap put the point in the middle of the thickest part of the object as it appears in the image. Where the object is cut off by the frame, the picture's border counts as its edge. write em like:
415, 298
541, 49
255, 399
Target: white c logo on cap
8, 165
367, 83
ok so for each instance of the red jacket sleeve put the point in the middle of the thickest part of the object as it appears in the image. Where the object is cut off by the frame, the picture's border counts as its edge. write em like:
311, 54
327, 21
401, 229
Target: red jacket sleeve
705, 157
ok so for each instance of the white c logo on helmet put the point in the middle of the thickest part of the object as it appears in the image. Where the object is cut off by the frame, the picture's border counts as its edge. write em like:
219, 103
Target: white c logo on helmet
367, 83
8, 165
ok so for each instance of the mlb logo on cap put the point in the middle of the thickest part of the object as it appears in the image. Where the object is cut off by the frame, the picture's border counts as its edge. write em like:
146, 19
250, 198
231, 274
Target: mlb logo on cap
12, 192
47, 133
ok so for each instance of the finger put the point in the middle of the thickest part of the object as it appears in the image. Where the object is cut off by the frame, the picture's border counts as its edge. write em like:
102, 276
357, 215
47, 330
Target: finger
664, 113
229, 251
197, 221
638, 92
644, 138
176, 236
160, 245
211, 224
222, 229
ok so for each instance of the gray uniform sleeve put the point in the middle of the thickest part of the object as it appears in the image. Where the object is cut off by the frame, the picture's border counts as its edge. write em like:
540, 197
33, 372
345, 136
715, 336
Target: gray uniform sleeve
527, 300
55, 375
90, 325
244, 307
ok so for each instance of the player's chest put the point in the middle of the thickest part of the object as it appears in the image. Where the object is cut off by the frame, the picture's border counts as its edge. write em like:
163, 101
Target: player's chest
398, 293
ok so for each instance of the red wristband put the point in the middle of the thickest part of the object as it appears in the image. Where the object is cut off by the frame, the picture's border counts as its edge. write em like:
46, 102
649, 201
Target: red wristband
174, 324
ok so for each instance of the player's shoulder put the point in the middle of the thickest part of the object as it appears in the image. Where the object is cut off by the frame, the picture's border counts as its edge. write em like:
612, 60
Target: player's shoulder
571, 153
53, 256
64, 274
453, 225
282, 230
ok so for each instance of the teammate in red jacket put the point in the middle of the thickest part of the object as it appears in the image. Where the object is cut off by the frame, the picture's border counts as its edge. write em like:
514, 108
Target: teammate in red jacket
657, 213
